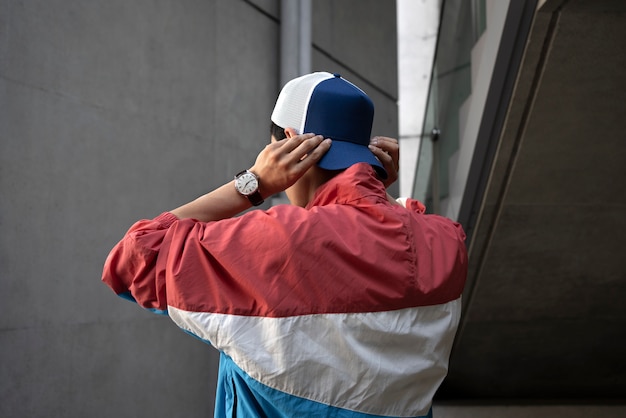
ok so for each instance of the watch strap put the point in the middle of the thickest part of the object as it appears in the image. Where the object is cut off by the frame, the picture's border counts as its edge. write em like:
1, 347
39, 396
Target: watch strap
255, 198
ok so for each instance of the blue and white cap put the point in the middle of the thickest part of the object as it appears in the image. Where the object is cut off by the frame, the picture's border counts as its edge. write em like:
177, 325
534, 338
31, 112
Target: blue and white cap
326, 104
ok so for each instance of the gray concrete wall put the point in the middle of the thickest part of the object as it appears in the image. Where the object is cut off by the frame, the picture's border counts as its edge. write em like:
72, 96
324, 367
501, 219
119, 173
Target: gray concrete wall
111, 111
358, 39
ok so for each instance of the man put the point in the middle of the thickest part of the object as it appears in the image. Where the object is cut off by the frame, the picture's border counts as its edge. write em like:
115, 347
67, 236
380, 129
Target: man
343, 304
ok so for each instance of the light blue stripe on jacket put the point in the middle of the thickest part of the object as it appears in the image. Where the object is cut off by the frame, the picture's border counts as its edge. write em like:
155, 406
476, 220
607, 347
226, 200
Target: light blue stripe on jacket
238, 395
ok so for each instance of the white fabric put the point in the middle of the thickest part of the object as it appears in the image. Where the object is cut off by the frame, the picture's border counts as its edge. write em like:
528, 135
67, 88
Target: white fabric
291, 106
402, 201
382, 363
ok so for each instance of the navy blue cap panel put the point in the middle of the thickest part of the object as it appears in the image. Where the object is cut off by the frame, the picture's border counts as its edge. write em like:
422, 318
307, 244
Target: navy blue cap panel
339, 110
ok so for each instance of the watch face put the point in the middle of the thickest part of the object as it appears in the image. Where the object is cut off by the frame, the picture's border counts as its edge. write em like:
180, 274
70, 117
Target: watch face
246, 183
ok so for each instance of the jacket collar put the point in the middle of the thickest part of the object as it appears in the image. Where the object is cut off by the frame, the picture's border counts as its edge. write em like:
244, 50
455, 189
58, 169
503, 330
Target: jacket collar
355, 183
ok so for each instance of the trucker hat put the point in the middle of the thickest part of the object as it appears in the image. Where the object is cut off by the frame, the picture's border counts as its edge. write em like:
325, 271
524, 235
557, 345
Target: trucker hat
327, 104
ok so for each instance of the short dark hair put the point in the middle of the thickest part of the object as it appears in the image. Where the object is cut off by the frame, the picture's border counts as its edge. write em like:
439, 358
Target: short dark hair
277, 132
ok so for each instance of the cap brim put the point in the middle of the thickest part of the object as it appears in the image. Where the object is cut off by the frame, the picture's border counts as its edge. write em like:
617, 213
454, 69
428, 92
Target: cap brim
343, 154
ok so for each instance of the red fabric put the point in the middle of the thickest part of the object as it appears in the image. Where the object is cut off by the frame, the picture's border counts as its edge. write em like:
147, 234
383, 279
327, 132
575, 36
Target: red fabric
350, 250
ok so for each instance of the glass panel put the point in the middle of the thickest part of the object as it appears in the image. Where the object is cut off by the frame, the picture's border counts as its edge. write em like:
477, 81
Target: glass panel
479, 14
449, 89
423, 175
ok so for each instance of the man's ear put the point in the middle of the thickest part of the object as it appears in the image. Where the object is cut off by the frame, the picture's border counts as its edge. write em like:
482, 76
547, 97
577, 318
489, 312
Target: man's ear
290, 132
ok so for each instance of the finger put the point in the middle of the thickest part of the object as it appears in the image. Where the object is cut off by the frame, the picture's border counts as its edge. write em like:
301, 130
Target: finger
388, 140
294, 142
314, 155
384, 141
380, 153
305, 147
389, 145
384, 156
389, 163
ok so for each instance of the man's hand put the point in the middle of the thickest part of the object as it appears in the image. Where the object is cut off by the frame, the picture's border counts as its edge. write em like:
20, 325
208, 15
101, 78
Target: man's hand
283, 162
387, 151
278, 166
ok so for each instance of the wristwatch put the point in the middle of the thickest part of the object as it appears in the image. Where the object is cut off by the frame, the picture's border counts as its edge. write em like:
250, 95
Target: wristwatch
247, 184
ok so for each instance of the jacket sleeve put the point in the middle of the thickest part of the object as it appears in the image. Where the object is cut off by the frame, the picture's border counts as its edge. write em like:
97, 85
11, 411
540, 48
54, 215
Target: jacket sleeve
195, 266
131, 266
